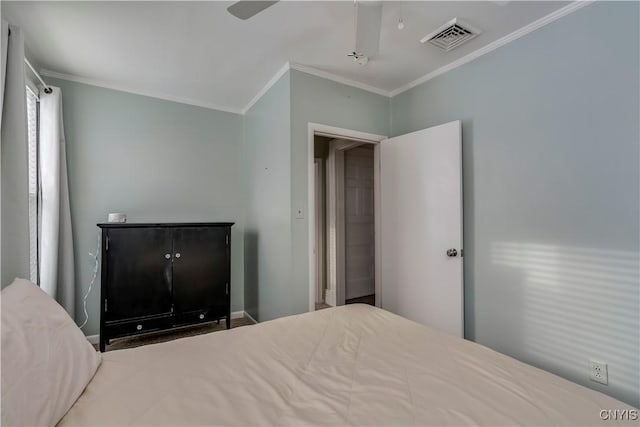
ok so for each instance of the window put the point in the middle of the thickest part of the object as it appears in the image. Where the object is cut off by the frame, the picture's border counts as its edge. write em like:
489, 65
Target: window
34, 187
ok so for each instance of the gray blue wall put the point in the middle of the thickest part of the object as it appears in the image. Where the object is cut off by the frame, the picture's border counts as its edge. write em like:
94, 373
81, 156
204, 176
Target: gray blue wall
266, 165
153, 160
551, 192
551, 180
316, 100
275, 153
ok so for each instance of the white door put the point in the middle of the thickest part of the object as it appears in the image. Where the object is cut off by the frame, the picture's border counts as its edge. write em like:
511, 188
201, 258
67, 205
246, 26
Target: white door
421, 219
359, 222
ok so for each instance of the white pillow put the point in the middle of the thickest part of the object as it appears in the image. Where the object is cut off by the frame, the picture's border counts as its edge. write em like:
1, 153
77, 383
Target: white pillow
46, 359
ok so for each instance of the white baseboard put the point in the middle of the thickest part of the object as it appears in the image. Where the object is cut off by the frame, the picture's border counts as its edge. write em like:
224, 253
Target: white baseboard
250, 318
330, 297
94, 339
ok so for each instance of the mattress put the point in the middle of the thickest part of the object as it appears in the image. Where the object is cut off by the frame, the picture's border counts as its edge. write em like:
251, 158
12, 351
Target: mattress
350, 365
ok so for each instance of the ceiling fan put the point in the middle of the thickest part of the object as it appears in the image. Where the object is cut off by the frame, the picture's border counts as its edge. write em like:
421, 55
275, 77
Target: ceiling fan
359, 58
367, 21
245, 9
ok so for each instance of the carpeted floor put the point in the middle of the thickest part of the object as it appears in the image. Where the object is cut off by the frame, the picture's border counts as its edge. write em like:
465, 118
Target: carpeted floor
188, 331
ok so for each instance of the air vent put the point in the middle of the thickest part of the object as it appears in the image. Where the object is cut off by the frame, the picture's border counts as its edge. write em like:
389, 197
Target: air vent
451, 35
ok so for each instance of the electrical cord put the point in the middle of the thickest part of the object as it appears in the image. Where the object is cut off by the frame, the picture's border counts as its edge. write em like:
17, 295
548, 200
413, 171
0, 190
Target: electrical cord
93, 279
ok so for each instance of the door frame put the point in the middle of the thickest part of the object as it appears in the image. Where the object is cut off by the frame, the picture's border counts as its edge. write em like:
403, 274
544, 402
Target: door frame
316, 129
319, 211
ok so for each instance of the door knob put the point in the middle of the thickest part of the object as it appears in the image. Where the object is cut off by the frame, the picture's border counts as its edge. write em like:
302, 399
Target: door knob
452, 253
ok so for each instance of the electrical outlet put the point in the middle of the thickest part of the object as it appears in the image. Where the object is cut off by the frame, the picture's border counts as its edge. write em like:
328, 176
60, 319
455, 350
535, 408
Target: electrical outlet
598, 372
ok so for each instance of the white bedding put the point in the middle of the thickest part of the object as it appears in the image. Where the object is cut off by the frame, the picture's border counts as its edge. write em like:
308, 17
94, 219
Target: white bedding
351, 365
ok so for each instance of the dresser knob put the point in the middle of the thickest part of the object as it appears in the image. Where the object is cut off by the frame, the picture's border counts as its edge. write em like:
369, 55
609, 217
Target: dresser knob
178, 255
139, 327
202, 316
167, 256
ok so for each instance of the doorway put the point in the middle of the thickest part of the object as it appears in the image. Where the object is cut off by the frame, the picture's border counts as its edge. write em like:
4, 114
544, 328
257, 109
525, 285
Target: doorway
418, 233
359, 227
343, 182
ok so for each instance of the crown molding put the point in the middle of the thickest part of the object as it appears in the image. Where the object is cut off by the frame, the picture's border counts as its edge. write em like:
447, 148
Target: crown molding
150, 94
315, 72
339, 79
281, 72
563, 11
547, 19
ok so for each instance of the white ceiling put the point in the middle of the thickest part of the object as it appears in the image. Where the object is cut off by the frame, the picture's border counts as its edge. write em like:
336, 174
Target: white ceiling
199, 53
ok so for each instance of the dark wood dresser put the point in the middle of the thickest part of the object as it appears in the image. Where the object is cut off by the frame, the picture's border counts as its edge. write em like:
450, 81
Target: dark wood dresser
162, 276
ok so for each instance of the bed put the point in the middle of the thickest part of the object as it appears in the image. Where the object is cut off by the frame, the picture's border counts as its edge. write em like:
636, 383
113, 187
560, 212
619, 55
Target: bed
349, 365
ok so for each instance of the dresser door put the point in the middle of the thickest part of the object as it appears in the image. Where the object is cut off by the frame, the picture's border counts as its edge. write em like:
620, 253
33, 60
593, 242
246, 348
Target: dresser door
139, 272
201, 269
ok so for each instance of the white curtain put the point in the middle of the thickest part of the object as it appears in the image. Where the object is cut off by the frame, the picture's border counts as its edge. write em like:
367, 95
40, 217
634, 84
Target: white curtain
14, 178
56, 241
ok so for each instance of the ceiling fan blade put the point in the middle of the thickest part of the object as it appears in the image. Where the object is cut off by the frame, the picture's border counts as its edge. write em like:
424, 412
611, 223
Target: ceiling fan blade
368, 21
245, 9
